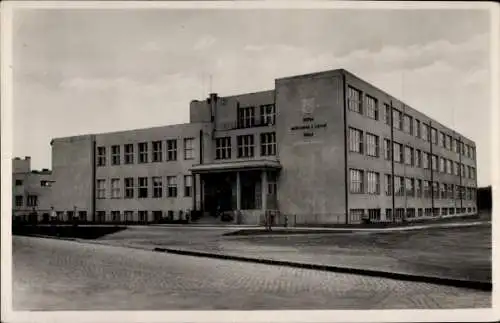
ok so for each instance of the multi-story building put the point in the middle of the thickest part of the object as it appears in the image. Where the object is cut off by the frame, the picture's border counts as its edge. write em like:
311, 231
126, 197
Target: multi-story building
326, 147
31, 190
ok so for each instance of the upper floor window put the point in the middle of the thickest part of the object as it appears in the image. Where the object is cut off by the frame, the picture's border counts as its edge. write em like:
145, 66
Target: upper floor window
371, 107
189, 148
101, 156
223, 148
19, 200
172, 186
434, 162
246, 117
115, 155
32, 200
115, 188
354, 100
397, 117
355, 140
129, 187
455, 145
373, 183
268, 144
356, 180
143, 187
425, 160
143, 152
101, 189
19, 182
157, 187
434, 136
372, 145
245, 146
398, 152
409, 159
387, 118
408, 124
129, 154
188, 184
425, 132
418, 158
442, 139
418, 130
171, 149
387, 149
448, 142
267, 114
157, 151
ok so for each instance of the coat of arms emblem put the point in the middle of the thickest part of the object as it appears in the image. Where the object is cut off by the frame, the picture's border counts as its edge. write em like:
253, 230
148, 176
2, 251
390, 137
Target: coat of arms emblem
308, 106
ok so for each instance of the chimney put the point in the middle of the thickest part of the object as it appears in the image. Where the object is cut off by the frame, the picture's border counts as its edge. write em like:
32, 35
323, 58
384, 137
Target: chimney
213, 105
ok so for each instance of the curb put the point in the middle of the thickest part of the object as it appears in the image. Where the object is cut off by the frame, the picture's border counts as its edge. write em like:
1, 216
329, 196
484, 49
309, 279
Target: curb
470, 284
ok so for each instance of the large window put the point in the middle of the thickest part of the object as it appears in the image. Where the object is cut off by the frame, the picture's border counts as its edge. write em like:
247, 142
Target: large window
143, 187
371, 107
425, 160
418, 158
157, 151
267, 114
442, 165
418, 188
245, 146
223, 148
448, 142
157, 187
171, 149
246, 117
188, 185
410, 187
115, 188
443, 188
372, 145
354, 100
408, 124
129, 188
129, 154
455, 145
387, 149
442, 139
388, 185
188, 148
101, 156
398, 152
418, 130
357, 183
268, 144
143, 152
373, 183
387, 117
434, 136
115, 155
397, 117
172, 186
427, 189
399, 188
101, 189
355, 140
425, 132
409, 156
449, 167
434, 162
19, 200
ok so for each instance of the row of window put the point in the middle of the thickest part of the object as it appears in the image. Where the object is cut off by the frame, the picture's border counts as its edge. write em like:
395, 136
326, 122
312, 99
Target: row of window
31, 200
368, 105
141, 187
246, 116
246, 146
142, 154
405, 154
356, 215
368, 182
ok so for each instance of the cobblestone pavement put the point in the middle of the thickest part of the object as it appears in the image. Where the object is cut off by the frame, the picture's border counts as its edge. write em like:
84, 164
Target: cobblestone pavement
61, 275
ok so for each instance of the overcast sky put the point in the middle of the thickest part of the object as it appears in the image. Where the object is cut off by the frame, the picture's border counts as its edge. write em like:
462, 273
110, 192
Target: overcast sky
91, 71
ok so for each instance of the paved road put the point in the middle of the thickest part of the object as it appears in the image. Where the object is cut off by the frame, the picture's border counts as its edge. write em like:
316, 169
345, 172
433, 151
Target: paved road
62, 275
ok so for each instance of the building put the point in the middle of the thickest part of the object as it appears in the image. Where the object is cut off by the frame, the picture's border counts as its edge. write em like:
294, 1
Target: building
324, 148
31, 190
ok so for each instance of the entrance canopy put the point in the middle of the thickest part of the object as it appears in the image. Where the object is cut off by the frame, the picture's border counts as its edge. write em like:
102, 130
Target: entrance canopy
236, 166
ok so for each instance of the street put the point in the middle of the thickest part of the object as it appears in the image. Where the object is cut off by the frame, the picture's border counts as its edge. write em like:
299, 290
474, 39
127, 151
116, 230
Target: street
62, 275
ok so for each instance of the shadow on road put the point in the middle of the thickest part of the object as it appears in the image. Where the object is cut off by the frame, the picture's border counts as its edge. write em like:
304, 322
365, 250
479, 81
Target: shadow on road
66, 231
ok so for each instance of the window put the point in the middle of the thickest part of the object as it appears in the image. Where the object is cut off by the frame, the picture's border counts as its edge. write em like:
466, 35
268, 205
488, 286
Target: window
425, 132
19, 200
409, 156
372, 147
418, 158
128, 216
408, 124
373, 183
268, 144
157, 215
448, 142
371, 107
443, 189
245, 146
355, 140
398, 152
115, 188
399, 213
101, 156
101, 189
115, 155
387, 149
455, 145
399, 189
388, 185
434, 136
410, 187
420, 212
473, 153
188, 184
410, 213
356, 181
418, 130
32, 200
472, 173
82, 215
444, 211
448, 167
19, 182
450, 194
267, 114
101, 216
354, 100
356, 215
427, 189
115, 216
374, 214
157, 151
188, 148
434, 162
442, 139
246, 117
388, 214
435, 211
418, 188
129, 154
143, 216
425, 160
397, 117
223, 148
171, 149
466, 172
435, 190
129, 188
457, 169
157, 187
442, 165
171, 186
143, 152
462, 170
143, 188
387, 109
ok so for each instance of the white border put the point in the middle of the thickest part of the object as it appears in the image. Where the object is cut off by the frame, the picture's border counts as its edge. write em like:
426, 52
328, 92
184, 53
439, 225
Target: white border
232, 316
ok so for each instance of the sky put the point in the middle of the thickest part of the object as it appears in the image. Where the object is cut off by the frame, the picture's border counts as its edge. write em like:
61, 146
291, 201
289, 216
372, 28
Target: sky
91, 71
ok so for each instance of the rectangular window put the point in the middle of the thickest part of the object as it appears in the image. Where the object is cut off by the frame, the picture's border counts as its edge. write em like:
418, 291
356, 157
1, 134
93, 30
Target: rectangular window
388, 185
462, 170
420, 212
473, 153
171, 186
172, 149
434, 162
115, 155
449, 169
374, 214
128, 215
409, 156
157, 151
387, 109
115, 188
442, 165
418, 130
457, 169
245, 146
267, 114
397, 117
223, 148
143, 216
143, 188
354, 100
388, 214
157, 187
418, 188
143, 153
19, 182
398, 152
435, 190
418, 158
357, 183
356, 215
448, 142
19, 200
425, 160
455, 145
371, 107
373, 183
268, 144
372, 145
450, 194
101, 156
387, 149
188, 148
188, 184
246, 117
115, 216
355, 140
425, 132
434, 136
408, 124
442, 139
101, 216
427, 189
410, 213
129, 188
410, 187
129, 154
399, 186
101, 189
443, 189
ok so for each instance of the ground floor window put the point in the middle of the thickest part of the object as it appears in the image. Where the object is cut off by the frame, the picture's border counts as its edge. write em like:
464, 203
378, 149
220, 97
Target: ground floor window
143, 216
374, 214
399, 213
420, 212
82, 215
356, 215
444, 211
115, 216
129, 216
157, 215
428, 212
101, 216
435, 211
388, 214
451, 210
410, 213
